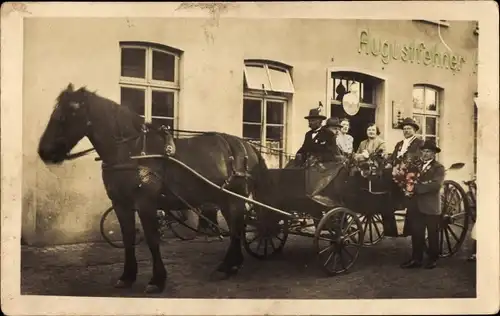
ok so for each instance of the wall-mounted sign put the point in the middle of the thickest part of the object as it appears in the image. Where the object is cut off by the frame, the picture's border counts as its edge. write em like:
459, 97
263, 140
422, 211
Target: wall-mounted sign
413, 52
350, 103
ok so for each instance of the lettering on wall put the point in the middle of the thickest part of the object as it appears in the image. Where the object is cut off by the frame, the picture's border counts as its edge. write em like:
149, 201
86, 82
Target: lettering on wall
414, 52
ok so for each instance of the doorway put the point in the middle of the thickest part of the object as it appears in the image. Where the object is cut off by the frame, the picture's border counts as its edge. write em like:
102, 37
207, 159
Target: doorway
358, 122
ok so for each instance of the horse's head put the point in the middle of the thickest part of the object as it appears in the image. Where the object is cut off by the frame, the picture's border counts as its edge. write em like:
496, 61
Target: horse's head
68, 124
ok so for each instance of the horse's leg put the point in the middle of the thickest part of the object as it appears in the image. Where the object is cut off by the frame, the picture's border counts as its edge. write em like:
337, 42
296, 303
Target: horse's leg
234, 215
126, 217
150, 225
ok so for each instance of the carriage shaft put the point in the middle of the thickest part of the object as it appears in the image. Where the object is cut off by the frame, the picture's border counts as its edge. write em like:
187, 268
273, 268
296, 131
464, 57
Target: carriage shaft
213, 184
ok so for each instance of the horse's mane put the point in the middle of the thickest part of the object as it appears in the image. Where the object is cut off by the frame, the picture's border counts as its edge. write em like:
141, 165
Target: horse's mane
109, 110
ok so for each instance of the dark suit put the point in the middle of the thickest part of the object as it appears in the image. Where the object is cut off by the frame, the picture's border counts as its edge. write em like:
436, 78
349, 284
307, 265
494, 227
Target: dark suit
424, 211
323, 145
413, 149
398, 199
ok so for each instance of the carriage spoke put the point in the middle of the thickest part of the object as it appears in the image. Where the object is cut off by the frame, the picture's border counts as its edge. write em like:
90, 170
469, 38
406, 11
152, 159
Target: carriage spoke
329, 258
259, 244
453, 233
459, 225
341, 259
327, 248
347, 251
253, 239
441, 241
371, 230
448, 240
353, 234
379, 234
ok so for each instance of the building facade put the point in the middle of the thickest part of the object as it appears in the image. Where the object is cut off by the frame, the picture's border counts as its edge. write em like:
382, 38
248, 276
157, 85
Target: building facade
255, 78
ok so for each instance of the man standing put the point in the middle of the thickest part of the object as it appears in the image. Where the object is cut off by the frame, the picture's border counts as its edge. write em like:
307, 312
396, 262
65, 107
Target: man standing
424, 209
319, 142
408, 147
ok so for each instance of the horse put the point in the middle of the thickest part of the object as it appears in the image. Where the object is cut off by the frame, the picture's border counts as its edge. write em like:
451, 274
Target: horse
117, 135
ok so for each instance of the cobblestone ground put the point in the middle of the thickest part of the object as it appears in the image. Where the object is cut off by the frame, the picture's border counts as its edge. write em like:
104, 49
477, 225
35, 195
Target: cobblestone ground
92, 269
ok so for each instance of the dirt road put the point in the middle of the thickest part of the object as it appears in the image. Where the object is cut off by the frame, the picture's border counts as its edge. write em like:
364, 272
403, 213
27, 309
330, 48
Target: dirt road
92, 269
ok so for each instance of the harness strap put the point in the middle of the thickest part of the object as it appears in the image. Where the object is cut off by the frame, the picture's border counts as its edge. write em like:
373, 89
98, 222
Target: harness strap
232, 160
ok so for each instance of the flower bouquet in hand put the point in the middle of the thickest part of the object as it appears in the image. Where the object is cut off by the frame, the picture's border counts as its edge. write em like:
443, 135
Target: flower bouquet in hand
406, 173
374, 166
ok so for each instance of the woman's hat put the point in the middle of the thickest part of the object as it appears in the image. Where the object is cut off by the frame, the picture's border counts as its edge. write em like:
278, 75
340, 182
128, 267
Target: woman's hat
431, 144
411, 122
333, 122
314, 114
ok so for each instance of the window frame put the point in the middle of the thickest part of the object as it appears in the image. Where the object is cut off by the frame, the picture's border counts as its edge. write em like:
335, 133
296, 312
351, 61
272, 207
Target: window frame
148, 84
424, 113
333, 101
266, 66
265, 96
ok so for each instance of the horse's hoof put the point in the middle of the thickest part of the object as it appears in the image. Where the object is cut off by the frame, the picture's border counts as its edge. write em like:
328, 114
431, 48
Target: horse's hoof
121, 284
153, 289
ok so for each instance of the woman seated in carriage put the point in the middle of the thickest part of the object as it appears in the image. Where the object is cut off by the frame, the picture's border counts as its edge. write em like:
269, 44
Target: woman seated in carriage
372, 144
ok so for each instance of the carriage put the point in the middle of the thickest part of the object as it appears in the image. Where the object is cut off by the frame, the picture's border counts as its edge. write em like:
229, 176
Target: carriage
142, 165
338, 228
342, 228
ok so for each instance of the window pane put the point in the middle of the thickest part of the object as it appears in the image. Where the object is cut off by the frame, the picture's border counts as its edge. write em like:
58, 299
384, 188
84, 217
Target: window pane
252, 132
256, 76
274, 134
274, 112
280, 80
158, 122
133, 98
252, 111
133, 63
430, 138
340, 89
420, 120
430, 99
430, 125
163, 66
418, 98
162, 103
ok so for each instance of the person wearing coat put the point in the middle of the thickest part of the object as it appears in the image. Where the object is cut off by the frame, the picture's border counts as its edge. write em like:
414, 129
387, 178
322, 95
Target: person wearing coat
411, 143
409, 146
319, 141
424, 208
371, 144
344, 140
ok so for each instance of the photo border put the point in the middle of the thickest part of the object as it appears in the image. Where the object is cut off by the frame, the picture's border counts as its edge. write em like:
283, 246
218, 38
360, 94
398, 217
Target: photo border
487, 301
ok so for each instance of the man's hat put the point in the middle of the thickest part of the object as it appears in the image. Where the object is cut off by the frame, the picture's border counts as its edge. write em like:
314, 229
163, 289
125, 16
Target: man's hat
333, 122
411, 122
431, 144
314, 114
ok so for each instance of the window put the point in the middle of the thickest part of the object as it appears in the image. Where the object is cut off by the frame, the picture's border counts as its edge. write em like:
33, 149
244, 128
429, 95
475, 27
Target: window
149, 81
426, 103
268, 88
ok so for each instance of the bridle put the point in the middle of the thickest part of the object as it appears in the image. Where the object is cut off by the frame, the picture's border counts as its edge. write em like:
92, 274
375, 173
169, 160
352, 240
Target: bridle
88, 131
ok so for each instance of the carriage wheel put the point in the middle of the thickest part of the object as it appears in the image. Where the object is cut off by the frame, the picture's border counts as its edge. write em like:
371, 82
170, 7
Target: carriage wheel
338, 238
373, 229
178, 222
454, 219
263, 237
111, 232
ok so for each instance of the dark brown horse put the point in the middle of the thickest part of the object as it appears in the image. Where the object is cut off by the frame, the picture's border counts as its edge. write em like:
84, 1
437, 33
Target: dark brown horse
116, 134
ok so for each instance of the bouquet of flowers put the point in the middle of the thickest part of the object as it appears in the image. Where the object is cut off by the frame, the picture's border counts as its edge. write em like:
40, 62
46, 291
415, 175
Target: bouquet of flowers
406, 173
374, 166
